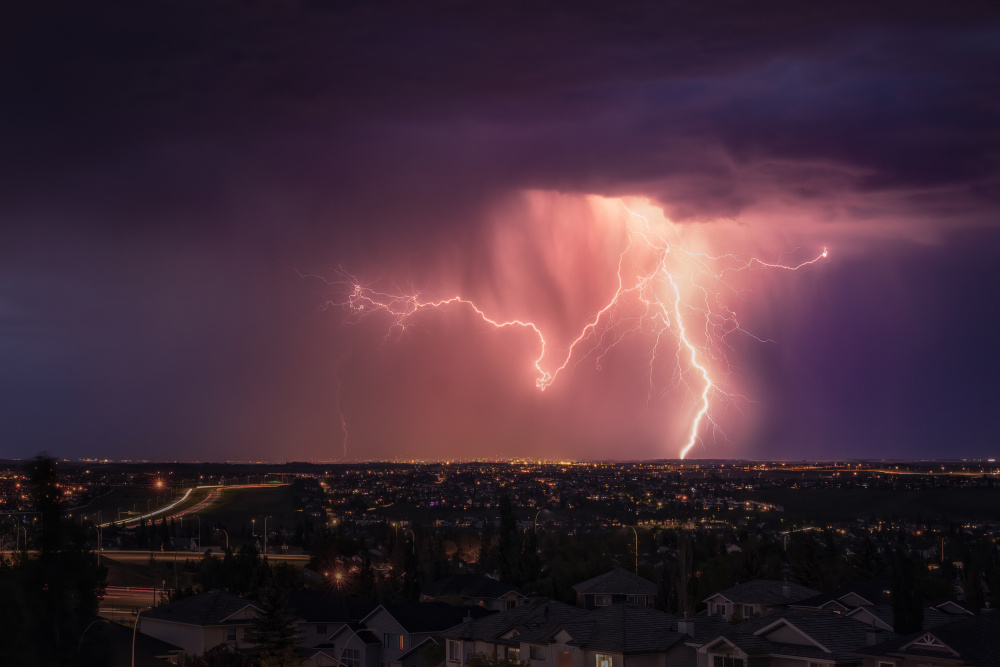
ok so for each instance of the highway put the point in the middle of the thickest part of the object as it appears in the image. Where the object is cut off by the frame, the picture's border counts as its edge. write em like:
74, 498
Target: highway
142, 557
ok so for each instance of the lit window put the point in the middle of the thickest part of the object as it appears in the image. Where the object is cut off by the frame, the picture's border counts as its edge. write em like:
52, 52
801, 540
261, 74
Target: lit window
604, 660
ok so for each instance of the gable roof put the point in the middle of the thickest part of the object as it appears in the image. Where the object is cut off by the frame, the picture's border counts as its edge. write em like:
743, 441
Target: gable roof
211, 608
430, 616
537, 613
973, 638
623, 628
119, 650
355, 630
416, 648
471, 585
840, 637
859, 593
618, 581
321, 607
766, 592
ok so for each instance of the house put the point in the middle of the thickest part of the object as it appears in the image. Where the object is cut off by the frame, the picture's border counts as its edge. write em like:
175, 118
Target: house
850, 597
111, 644
318, 614
971, 640
618, 585
474, 589
202, 622
791, 638
758, 597
350, 645
624, 634
871, 603
392, 635
546, 633
497, 634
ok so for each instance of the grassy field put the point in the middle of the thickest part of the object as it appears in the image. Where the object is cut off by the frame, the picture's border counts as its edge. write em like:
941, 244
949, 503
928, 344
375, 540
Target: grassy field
951, 504
242, 510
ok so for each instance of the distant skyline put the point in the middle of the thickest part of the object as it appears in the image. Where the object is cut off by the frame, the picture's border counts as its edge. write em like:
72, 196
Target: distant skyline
190, 192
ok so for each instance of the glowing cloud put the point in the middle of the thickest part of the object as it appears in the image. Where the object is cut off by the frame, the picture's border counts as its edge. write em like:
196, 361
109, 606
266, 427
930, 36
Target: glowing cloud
670, 290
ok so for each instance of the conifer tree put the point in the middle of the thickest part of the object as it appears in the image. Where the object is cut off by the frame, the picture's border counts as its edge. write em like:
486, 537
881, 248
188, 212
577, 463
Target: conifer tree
274, 631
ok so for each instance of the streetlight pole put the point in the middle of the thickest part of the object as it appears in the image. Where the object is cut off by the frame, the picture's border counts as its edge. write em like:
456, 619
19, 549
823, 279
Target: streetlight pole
227, 537
134, 628
265, 534
79, 646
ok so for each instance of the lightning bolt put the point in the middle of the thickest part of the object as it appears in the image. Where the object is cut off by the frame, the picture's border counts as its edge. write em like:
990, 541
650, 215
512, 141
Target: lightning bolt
665, 298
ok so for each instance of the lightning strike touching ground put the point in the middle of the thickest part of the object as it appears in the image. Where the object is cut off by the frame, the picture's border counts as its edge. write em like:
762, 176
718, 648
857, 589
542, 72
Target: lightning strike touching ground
673, 296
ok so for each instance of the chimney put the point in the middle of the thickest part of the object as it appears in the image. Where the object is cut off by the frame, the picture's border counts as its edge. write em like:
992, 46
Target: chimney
685, 626
468, 617
786, 590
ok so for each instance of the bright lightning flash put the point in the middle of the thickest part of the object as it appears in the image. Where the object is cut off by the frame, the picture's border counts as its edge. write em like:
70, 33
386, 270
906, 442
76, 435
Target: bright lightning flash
674, 296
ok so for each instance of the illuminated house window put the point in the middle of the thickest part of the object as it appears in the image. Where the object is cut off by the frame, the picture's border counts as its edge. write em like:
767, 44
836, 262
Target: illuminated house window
604, 660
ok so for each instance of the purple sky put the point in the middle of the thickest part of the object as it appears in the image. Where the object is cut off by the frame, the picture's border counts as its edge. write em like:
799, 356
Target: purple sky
182, 183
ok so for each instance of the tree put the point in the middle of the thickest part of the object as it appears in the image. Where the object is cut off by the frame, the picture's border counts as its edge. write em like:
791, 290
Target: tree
411, 573
510, 551
907, 605
50, 598
366, 585
274, 631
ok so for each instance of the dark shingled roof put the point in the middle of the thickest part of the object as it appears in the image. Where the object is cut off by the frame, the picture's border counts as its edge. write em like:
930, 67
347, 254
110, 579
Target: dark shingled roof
974, 638
470, 585
540, 612
355, 630
320, 607
767, 592
623, 628
211, 608
875, 591
618, 581
432, 616
841, 635
884, 613
112, 644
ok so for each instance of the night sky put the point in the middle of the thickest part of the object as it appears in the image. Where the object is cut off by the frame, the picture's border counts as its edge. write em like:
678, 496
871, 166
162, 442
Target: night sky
189, 189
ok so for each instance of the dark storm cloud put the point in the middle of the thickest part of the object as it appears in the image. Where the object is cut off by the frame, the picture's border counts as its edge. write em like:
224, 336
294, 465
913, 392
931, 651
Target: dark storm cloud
903, 95
168, 168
